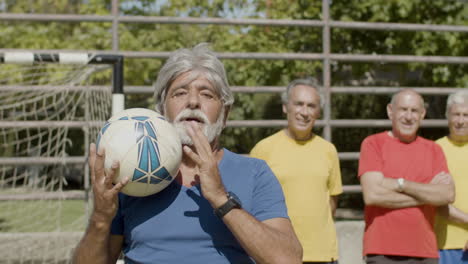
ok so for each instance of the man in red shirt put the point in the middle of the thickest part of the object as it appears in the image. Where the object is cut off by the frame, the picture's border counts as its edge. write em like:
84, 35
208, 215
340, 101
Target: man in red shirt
404, 177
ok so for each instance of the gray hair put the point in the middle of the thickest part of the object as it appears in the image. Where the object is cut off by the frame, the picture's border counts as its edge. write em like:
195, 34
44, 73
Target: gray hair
201, 60
311, 82
459, 97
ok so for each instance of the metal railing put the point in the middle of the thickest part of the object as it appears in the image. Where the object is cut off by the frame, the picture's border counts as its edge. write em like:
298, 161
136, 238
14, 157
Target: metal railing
326, 56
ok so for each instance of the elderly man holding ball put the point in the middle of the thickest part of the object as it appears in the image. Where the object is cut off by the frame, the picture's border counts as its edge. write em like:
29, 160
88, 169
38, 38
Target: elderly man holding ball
221, 208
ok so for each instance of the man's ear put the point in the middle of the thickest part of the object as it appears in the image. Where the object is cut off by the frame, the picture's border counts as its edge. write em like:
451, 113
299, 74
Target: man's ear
389, 111
285, 109
423, 114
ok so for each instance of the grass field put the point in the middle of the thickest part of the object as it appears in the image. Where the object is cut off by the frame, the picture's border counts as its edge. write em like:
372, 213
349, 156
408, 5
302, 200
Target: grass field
42, 216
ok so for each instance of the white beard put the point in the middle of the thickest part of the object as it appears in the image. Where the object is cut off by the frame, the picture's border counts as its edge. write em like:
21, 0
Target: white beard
211, 131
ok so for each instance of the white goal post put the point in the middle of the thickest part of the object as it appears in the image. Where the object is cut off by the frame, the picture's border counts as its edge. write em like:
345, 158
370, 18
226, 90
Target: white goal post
51, 107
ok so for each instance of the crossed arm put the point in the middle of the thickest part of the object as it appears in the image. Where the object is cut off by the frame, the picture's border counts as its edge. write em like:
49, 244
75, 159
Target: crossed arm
453, 213
381, 191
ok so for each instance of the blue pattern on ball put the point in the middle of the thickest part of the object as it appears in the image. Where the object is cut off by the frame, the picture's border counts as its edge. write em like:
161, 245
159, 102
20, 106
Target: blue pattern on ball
149, 167
103, 129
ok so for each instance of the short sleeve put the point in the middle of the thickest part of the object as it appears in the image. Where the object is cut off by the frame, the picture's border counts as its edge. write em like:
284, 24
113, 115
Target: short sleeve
258, 151
440, 162
370, 157
334, 182
268, 195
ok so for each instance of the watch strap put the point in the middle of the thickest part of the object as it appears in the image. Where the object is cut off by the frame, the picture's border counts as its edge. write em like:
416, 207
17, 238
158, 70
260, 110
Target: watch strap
231, 203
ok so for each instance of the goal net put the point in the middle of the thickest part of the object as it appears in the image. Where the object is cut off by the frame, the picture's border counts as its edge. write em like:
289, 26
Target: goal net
51, 107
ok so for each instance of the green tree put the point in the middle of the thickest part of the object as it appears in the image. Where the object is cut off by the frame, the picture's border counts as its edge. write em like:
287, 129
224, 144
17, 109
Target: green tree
275, 39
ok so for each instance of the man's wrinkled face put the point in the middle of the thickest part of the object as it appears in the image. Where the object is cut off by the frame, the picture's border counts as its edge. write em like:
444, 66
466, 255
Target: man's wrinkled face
406, 113
458, 122
302, 109
191, 98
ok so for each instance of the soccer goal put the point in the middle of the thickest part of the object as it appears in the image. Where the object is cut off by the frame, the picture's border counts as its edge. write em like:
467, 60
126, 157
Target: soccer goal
51, 107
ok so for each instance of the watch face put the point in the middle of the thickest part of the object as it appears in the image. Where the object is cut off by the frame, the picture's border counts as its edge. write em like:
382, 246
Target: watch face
234, 197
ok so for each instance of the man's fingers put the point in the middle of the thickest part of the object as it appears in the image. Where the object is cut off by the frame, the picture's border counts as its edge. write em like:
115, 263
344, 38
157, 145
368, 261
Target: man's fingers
203, 140
99, 163
200, 141
192, 155
92, 160
118, 187
442, 178
110, 175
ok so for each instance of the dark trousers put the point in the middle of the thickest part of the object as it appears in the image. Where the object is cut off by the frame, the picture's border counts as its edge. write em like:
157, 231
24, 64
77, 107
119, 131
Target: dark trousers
388, 259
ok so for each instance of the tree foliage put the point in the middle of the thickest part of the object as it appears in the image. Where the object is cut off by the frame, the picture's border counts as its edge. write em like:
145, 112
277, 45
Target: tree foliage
275, 39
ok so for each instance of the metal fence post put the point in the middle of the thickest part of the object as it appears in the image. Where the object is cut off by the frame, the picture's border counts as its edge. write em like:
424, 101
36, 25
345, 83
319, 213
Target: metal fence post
326, 69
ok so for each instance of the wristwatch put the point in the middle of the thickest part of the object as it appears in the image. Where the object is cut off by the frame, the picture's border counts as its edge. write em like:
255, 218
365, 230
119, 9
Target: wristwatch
232, 202
400, 182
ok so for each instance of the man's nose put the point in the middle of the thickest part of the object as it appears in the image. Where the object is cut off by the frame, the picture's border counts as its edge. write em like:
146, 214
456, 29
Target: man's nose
193, 100
304, 110
408, 114
461, 121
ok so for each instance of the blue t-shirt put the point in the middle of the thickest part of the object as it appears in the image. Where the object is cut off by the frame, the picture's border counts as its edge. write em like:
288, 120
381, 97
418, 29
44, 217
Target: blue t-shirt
177, 225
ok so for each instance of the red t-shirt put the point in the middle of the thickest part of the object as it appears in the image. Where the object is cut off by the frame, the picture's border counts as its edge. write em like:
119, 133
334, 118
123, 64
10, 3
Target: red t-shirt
406, 231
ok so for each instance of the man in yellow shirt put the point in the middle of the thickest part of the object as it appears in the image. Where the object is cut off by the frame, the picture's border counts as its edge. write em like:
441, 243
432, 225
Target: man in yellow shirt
452, 220
308, 169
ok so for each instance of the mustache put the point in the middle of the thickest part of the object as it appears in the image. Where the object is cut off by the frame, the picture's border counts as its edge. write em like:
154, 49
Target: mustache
192, 114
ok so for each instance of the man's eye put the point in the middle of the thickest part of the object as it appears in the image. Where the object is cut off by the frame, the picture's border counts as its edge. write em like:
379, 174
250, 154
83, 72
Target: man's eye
179, 93
207, 95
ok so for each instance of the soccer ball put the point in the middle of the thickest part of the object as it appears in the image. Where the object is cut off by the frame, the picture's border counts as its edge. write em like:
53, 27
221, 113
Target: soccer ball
147, 148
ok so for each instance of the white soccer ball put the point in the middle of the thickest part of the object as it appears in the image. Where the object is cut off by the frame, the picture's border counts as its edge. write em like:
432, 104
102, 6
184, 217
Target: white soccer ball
147, 148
